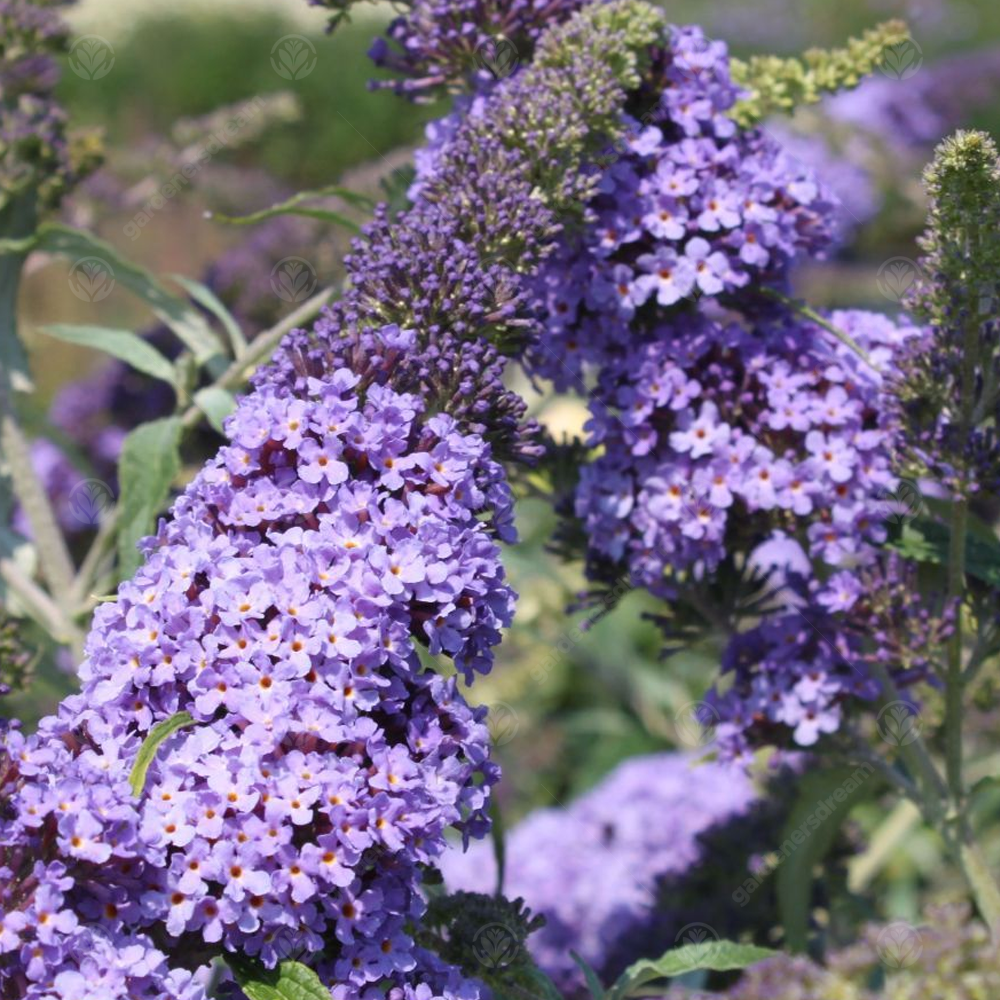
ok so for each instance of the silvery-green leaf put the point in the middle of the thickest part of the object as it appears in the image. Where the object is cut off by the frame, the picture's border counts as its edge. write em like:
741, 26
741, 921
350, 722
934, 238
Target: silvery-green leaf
121, 344
149, 461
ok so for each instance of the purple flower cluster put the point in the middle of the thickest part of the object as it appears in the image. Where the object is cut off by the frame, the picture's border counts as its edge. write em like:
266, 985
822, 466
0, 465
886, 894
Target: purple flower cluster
439, 43
34, 152
714, 436
347, 531
845, 165
593, 868
283, 607
71, 859
688, 207
912, 115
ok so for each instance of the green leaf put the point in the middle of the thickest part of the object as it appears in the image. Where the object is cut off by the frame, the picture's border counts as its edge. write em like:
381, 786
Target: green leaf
208, 300
928, 541
294, 206
711, 956
17, 223
147, 752
149, 461
913, 544
121, 344
183, 319
216, 403
545, 988
593, 983
288, 981
818, 813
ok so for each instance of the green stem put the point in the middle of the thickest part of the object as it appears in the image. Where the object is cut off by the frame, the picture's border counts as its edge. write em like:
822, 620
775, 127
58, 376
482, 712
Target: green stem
954, 678
933, 788
17, 221
814, 317
36, 602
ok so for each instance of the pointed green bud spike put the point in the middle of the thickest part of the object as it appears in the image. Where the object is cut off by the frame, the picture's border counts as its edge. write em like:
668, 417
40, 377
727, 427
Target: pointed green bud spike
958, 273
777, 84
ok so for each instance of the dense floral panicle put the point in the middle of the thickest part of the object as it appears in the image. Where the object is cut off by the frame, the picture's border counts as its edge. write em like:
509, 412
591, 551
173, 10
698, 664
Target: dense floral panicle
775, 84
71, 860
453, 267
34, 151
911, 116
689, 207
945, 390
713, 437
352, 520
455, 43
592, 868
282, 607
794, 674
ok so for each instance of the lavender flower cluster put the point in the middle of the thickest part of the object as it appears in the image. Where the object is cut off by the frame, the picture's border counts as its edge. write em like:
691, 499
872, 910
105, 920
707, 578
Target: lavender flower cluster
347, 531
447, 43
593, 868
282, 608
34, 150
689, 206
71, 856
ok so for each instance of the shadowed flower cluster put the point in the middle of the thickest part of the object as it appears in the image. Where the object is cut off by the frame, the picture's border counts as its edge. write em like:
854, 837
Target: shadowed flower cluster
593, 868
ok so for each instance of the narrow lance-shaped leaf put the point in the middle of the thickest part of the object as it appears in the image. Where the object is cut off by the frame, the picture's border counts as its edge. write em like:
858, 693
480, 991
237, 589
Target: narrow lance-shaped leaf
713, 956
121, 344
825, 800
295, 206
149, 461
207, 299
183, 319
147, 752
593, 983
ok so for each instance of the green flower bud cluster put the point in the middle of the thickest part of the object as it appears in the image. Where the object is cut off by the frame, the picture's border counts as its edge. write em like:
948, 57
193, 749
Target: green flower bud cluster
777, 84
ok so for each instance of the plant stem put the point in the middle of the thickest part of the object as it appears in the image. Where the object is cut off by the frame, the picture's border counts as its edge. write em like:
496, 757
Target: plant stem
36, 602
821, 321
260, 348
